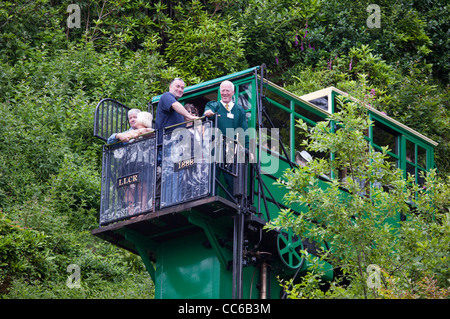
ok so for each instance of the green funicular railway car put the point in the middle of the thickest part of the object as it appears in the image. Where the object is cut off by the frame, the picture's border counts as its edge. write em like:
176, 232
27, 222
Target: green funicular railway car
196, 237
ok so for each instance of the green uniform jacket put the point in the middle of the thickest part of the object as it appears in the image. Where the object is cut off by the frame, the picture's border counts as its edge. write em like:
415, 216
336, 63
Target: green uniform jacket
224, 121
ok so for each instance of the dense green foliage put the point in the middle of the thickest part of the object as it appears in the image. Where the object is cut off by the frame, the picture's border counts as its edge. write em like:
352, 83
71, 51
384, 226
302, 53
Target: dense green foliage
362, 225
52, 77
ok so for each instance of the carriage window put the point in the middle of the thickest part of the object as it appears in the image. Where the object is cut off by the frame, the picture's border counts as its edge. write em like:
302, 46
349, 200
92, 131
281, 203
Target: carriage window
393, 160
421, 156
420, 177
410, 151
337, 103
321, 102
410, 169
299, 137
417, 172
416, 160
281, 120
245, 95
383, 136
308, 116
278, 98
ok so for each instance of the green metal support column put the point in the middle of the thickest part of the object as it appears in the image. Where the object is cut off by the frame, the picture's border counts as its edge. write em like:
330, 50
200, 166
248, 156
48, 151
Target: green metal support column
147, 262
238, 247
141, 244
204, 223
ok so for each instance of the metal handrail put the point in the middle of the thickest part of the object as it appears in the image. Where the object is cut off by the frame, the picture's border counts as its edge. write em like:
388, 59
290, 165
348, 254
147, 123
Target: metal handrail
132, 140
179, 124
105, 122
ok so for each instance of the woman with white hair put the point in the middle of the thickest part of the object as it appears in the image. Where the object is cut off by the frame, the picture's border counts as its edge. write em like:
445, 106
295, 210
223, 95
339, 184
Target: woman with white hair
139, 158
143, 125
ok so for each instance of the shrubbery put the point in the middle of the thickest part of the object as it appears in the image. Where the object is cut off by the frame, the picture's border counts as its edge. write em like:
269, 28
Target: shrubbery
52, 77
362, 226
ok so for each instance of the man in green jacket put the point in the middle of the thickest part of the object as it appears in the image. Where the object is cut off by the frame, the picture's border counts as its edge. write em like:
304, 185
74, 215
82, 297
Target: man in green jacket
231, 115
231, 122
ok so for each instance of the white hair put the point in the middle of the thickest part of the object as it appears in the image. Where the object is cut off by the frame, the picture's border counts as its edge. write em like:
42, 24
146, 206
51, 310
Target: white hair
144, 118
133, 111
226, 82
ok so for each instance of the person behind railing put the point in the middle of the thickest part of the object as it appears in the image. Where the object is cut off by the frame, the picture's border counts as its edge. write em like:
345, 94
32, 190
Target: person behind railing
143, 130
169, 112
192, 110
138, 161
143, 126
123, 137
231, 116
196, 178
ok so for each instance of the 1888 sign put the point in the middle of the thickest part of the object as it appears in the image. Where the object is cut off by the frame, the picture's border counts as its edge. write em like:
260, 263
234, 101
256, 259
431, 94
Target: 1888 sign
187, 163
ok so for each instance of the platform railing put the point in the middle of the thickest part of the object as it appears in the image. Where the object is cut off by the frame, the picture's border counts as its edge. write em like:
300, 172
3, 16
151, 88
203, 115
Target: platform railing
186, 163
110, 117
193, 162
128, 179
198, 161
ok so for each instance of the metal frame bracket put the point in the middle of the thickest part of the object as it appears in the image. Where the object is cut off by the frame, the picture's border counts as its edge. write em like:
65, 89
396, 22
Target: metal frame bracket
204, 223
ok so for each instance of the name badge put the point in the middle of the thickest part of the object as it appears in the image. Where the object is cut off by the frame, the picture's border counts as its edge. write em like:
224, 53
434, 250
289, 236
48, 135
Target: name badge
230, 115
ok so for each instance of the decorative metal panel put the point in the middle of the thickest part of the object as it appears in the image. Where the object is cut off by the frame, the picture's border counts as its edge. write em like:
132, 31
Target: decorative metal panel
128, 180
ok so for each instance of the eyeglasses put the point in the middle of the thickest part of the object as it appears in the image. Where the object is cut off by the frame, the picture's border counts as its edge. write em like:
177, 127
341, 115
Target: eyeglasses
192, 112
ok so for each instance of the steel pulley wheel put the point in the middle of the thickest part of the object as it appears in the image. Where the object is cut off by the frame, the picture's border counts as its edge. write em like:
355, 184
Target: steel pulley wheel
289, 247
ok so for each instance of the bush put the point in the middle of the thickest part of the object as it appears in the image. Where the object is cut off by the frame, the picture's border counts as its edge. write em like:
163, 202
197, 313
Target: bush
22, 251
363, 231
203, 45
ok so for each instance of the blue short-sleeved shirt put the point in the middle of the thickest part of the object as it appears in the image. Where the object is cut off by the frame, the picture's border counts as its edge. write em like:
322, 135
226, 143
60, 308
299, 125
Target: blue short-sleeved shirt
165, 115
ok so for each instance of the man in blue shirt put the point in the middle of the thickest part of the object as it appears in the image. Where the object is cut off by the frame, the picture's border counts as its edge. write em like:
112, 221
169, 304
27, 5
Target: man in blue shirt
170, 111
